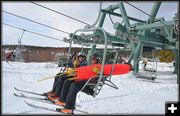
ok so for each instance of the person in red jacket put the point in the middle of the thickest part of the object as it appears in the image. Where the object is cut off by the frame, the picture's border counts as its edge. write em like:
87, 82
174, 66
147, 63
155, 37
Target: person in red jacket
9, 56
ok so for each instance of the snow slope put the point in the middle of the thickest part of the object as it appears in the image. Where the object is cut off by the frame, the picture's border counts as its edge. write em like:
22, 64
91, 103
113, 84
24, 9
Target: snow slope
134, 96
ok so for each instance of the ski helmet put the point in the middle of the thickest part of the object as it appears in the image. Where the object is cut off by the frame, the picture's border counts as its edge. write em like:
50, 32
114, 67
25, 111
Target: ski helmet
96, 56
81, 54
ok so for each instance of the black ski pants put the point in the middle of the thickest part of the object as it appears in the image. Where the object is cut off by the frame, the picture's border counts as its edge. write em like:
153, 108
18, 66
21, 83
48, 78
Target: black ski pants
58, 83
70, 90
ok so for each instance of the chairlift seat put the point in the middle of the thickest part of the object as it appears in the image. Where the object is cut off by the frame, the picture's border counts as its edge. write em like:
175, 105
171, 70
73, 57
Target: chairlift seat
90, 85
149, 69
143, 76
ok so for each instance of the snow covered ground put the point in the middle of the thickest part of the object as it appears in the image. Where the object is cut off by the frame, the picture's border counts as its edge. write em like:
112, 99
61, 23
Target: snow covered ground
134, 96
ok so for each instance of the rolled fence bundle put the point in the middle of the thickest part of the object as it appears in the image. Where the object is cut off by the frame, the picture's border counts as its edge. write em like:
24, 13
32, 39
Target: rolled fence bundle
86, 72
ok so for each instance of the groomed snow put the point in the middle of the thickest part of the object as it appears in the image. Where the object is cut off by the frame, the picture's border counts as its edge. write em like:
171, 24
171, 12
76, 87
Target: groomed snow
134, 96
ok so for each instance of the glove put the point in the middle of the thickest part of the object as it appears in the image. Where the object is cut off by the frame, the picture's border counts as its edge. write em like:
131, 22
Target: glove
76, 63
96, 70
71, 72
72, 79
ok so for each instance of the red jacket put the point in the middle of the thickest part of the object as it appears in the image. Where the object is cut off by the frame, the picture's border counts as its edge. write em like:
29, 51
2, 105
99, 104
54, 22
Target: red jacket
9, 56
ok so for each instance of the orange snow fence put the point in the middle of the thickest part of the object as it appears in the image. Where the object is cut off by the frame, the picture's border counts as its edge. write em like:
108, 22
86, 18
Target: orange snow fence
86, 72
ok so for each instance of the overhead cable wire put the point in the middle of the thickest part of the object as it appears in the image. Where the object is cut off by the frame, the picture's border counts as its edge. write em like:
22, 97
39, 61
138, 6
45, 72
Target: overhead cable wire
60, 13
36, 22
111, 19
32, 32
138, 8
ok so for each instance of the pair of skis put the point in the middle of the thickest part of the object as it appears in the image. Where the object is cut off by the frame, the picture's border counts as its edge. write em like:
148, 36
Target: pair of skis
43, 99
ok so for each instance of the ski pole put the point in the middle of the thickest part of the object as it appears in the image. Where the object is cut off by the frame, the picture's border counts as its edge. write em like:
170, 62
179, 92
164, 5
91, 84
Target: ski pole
44, 79
58, 75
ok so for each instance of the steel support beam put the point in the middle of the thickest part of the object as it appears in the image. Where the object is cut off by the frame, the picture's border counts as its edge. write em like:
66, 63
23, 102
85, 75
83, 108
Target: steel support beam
154, 12
124, 14
154, 25
93, 48
90, 52
113, 7
148, 41
119, 15
101, 22
110, 37
137, 52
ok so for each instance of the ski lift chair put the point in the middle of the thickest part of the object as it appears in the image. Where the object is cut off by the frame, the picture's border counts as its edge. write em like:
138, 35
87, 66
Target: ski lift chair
149, 74
90, 86
95, 83
18, 51
151, 69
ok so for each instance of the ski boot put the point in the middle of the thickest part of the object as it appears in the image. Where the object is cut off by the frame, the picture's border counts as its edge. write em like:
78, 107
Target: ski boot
48, 93
53, 97
65, 111
57, 102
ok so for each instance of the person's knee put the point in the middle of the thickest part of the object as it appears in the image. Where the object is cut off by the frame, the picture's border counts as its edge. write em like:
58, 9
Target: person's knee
56, 78
67, 82
75, 86
61, 78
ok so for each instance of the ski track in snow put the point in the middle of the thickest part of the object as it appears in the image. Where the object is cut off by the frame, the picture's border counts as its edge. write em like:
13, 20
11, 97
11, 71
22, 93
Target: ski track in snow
134, 96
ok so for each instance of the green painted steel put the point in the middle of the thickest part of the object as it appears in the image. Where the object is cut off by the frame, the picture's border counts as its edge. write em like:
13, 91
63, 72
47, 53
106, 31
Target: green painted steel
110, 37
112, 7
120, 27
93, 48
119, 15
162, 24
155, 32
154, 12
101, 22
137, 53
124, 14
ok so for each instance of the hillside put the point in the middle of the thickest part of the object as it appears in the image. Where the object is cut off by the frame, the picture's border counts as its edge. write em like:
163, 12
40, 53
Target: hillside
134, 96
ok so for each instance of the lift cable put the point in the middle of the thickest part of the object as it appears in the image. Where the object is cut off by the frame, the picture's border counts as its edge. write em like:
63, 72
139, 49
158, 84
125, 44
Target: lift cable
19, 40
36, 22
138, 8
32, 32
59, 13
111, 19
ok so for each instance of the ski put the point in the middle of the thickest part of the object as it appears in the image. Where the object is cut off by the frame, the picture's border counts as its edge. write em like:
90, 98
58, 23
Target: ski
146, 77
52, 109
45, 100
25, 91
41, 107
30, 97
11, 65
152, 81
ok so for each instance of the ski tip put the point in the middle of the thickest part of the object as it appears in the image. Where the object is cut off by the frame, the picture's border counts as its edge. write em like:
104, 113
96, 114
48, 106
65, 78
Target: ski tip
27, 103
22, 94
58, 109
15, 88
15, 94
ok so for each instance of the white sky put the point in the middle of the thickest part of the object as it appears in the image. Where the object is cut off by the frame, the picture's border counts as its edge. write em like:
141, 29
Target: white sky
84, 11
